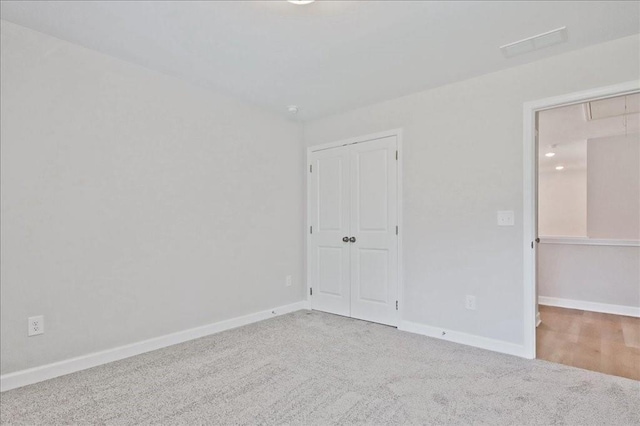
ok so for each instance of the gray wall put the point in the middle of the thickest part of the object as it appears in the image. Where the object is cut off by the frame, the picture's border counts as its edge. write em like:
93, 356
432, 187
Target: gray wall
562, 203
462, 162
613, 187
135, 205
590, 273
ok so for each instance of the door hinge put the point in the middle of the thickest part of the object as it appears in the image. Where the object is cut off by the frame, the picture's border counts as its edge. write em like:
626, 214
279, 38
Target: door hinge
310, 291
396, 154
396, 305
396, 229
311, 229
310, 168
531, 244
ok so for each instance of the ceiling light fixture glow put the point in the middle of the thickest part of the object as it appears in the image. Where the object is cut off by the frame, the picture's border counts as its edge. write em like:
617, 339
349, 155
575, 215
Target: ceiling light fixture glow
301, 1
559, 167
550, 154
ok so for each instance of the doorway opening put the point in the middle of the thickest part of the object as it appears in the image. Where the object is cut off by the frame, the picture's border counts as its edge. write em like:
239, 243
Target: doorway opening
583, 264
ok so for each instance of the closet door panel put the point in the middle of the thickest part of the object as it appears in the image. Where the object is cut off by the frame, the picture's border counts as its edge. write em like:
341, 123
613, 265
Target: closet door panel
373, 220
328, 255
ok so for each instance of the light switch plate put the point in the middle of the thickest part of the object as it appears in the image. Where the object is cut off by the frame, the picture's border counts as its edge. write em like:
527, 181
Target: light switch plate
506, 218
470, 302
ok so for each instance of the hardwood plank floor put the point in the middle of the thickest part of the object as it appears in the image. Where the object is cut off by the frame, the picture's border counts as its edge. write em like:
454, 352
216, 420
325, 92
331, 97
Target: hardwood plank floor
606, 343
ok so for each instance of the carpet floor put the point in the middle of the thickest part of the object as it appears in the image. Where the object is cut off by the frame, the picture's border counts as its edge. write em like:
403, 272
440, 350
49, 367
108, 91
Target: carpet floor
314, 368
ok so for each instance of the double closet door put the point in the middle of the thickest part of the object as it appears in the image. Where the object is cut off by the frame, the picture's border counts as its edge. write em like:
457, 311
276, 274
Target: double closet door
353, 234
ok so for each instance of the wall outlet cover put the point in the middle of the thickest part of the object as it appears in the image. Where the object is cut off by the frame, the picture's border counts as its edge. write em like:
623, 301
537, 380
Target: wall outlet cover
35, 325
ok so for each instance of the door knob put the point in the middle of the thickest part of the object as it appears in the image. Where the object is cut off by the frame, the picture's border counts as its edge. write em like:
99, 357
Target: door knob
345, 239
352, 239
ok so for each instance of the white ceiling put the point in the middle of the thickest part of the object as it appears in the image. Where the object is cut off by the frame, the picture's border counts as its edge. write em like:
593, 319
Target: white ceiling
325, 57
566, 131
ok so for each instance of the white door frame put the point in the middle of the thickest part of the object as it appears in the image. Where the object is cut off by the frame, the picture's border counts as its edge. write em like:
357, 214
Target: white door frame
362, 139
531, 192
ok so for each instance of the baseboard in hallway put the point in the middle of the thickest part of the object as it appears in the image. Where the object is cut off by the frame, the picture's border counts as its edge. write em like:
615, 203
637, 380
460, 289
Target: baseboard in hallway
49, 371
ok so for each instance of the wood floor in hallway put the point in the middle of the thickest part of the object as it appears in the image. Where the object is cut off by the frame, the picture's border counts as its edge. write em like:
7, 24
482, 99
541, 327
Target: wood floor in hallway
606, 343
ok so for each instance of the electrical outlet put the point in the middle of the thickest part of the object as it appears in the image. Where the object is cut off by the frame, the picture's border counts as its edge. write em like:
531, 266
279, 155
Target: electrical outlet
470, 302
36, 325
288, 281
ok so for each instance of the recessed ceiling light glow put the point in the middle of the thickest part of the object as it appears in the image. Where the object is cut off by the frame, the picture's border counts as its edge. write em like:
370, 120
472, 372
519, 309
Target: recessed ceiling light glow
301, 1
550, 154
559, 167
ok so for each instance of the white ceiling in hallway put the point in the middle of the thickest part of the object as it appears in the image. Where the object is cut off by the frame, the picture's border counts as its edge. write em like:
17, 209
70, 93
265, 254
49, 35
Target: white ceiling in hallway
328, 56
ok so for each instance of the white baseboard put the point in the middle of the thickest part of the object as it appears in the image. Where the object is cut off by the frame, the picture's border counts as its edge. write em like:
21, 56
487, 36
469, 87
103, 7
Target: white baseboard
629, 311
538, 319
464, 338
56, 369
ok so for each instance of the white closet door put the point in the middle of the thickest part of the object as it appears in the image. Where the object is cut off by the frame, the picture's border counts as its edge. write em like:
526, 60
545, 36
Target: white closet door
374, 254
328, 254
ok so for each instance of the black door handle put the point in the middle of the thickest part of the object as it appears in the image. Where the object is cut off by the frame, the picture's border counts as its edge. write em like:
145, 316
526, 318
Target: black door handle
345, 239
352, 239
537, 240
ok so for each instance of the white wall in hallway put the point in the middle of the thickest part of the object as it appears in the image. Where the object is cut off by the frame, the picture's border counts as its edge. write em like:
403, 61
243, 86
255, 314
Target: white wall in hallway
562, 203
590, 273
135, 205
613, 182
463, 161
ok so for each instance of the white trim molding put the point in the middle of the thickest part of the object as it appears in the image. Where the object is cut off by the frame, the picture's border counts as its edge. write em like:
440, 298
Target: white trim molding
585, 241
583, 305
464, 338
358, 139
530, 191
61, 368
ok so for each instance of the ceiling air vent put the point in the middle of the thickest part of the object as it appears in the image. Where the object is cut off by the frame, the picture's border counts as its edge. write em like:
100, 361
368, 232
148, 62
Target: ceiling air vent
536, 42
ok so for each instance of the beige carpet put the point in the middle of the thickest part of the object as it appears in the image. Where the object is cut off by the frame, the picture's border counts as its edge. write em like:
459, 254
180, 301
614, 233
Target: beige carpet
315, 368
